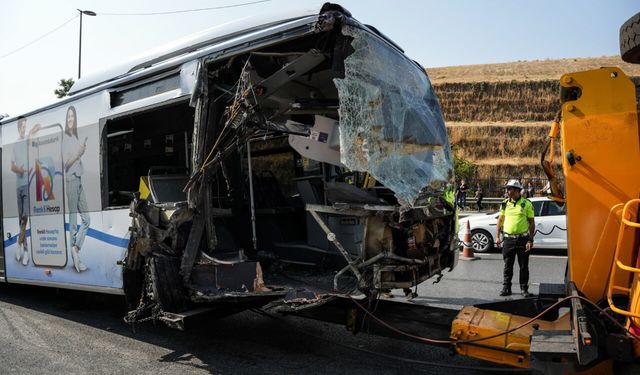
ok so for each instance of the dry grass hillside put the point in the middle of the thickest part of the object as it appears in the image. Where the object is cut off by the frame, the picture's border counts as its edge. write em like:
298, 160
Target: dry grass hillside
501, 149
499, 115
499, 101
540, 70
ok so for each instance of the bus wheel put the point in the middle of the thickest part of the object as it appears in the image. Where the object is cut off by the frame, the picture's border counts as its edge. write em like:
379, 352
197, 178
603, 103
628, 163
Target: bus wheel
626, 368
166, 282
133, 282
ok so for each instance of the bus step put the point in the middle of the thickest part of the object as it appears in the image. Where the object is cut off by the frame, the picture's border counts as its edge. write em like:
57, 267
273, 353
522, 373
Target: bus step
180, 320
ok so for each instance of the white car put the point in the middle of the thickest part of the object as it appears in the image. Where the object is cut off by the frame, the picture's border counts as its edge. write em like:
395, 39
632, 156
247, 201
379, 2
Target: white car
551, 227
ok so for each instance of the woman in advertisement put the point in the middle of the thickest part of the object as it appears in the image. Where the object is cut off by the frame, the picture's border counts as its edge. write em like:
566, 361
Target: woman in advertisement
76, 200
19, 166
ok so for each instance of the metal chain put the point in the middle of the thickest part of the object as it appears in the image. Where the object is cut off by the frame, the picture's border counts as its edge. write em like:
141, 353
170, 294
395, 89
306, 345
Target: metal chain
134, 317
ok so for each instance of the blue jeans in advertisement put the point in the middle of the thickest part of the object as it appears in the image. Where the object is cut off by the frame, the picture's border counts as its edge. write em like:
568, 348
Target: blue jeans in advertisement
77, 203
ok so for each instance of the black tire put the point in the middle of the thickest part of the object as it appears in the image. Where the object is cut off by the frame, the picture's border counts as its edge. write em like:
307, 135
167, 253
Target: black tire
481, 240
630, 40
167, 283
132, 282
626, 368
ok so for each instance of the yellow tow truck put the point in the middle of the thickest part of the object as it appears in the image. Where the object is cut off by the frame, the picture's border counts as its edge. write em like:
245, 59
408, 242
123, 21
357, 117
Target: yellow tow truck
600, 144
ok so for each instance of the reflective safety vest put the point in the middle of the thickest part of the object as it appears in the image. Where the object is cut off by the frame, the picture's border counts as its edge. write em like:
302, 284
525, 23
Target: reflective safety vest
516, 215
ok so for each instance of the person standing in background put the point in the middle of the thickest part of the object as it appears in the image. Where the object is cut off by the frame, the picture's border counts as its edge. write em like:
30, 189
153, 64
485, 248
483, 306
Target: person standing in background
462, 194
529, 192
479, 196
73, 151
546, 189
517, 225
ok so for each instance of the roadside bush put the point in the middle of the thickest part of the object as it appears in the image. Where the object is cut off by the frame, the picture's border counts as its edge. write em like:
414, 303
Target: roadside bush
463, 168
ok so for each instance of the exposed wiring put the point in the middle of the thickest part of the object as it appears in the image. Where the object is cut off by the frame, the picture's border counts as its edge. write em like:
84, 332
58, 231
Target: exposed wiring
234, 112
458, 342
184, 10
40, 37
390, 356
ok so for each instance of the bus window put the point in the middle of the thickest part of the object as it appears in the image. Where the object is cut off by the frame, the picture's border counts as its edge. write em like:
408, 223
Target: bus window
153, 143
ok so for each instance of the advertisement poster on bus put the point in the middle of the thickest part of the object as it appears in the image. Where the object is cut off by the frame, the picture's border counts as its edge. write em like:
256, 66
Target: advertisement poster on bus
46, 194
55, 231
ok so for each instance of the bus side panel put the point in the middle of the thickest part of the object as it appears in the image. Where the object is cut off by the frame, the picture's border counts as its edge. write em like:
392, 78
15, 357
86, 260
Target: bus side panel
2, 250
100, 253
80, 223
10, 244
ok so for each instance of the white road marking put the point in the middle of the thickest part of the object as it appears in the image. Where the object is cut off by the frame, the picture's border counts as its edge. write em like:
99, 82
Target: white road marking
499, 256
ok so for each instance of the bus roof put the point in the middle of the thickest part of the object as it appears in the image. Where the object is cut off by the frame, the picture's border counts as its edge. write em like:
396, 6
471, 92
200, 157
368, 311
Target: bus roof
186, 47
190, 43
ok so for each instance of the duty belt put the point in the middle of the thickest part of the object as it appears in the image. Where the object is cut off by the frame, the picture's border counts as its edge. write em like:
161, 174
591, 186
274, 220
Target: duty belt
520, 235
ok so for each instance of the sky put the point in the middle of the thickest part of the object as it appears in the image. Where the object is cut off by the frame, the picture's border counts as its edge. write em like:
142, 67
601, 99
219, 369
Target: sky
433, 32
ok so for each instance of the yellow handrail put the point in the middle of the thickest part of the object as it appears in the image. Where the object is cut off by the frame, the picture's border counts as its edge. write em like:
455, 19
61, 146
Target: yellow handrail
630, 223
624, 222
627, 268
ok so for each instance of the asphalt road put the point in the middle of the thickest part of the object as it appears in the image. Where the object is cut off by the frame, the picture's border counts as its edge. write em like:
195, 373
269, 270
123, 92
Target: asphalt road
45, 331
480, 281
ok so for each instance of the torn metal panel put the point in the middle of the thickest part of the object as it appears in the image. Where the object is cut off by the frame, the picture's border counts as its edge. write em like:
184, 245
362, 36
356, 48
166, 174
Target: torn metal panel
192, 248
289, 72
218, 279
390, 121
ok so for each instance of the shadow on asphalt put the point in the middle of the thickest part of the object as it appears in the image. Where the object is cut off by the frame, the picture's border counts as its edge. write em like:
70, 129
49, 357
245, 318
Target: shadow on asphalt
435, 301
243, 343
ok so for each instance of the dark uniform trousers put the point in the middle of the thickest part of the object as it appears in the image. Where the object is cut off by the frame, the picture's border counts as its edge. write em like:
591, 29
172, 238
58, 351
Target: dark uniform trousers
512, 248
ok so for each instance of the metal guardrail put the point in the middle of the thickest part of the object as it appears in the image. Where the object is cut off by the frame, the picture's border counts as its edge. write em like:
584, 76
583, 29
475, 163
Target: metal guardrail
487, 200
472, 201
486, 203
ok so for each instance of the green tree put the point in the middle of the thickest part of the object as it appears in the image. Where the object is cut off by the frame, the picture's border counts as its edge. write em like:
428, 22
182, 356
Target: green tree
64, 87
463, 168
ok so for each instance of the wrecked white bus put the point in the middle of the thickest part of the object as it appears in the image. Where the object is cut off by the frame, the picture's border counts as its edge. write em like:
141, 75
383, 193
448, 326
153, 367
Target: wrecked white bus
284, 162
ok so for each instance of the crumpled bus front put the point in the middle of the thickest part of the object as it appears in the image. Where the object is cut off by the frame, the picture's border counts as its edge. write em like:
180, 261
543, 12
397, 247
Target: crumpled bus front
320, 166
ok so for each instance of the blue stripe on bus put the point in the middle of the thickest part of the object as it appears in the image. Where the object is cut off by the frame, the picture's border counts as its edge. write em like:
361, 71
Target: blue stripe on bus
98, 235
11, 240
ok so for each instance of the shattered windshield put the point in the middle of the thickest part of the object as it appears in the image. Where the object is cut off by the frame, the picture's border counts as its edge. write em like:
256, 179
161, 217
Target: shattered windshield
391, 124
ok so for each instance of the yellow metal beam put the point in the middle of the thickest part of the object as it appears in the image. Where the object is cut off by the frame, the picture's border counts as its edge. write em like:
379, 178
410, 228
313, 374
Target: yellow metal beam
510, 349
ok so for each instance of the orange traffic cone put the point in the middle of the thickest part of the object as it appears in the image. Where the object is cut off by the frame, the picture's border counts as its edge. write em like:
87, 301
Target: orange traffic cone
467, 250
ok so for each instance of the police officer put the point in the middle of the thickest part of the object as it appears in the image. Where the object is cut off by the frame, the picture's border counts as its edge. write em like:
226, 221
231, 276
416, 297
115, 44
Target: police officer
518, 227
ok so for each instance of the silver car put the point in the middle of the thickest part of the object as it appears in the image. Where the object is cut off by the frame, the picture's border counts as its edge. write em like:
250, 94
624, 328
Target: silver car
551, 227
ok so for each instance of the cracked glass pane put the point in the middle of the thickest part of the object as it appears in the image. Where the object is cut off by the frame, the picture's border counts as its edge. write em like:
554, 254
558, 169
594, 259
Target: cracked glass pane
390, 120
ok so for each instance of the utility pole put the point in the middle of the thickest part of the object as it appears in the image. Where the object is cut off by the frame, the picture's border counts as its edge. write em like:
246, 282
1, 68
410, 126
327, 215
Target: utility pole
88, 13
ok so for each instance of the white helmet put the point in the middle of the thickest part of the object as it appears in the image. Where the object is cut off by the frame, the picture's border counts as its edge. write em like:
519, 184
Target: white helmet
514, 184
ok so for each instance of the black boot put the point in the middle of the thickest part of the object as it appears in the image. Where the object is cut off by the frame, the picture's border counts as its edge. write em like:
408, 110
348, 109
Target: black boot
506, 290
525, 291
